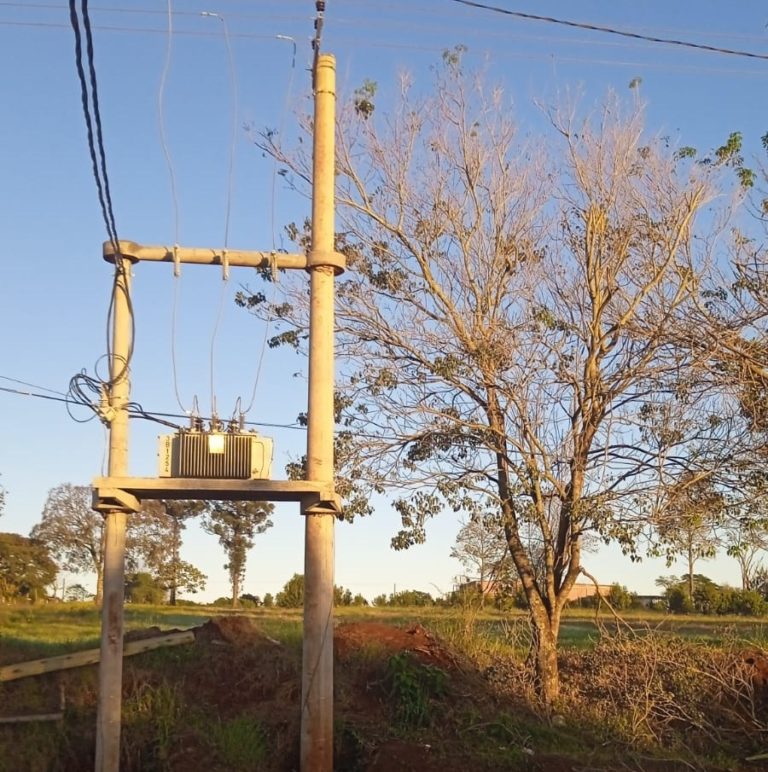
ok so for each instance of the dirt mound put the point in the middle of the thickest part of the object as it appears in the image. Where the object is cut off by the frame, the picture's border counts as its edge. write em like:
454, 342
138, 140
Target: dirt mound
354, 637
235, 630
147, 632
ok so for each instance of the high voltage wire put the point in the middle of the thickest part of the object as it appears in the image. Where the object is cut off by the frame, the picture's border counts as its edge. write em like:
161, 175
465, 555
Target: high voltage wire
467, 3
356, 42
611, 30
32, 385
406, 8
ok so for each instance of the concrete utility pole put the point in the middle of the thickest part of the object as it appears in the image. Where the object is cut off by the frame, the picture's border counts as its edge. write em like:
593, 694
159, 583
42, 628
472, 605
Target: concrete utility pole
119, 494
111, 662
317, 667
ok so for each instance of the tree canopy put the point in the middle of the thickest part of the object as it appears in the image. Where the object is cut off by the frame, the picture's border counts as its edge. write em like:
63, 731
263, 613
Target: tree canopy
73, 532
504, 322
26, 568
156, 535
236, 523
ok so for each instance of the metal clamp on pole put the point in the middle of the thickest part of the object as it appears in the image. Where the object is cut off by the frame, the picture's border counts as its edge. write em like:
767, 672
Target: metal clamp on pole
317, 258
224, 265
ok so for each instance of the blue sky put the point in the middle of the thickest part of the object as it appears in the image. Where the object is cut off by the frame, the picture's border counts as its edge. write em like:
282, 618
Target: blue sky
54, 286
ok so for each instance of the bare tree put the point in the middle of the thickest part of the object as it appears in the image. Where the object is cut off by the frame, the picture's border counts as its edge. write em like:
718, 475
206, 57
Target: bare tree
745, 526
481, 547
502, 322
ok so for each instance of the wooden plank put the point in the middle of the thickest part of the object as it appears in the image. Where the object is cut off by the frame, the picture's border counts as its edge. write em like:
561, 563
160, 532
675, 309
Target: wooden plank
91, 656
29, 719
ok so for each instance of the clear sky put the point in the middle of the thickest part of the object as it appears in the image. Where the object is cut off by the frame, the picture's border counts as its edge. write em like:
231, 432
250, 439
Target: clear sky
54, 285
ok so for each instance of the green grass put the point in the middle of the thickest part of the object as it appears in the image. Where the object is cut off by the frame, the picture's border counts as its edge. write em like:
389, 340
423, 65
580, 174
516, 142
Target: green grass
241, 742
46, 630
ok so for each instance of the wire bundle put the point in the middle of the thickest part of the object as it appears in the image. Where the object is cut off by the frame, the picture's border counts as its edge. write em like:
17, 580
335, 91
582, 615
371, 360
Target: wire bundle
82, 386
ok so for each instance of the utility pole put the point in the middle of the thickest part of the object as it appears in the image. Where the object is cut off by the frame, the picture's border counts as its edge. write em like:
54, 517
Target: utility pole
118, 494
111, 661
317, 666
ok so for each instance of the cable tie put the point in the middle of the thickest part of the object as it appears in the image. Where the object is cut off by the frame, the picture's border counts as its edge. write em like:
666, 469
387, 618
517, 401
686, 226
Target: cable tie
176, 262
273, 266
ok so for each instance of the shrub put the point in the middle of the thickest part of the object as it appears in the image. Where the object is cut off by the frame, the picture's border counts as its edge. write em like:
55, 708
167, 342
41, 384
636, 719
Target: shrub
142, 587
620, 597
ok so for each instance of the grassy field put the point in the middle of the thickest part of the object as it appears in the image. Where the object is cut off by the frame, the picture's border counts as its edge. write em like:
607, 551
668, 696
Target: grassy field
58, 628
665, 693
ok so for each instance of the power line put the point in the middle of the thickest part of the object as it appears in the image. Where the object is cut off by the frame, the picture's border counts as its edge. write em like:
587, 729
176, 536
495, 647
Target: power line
611, 30
135, 410
32, 385
89, 123
272, 211
407, 7
81, 383
357, 42
230, 186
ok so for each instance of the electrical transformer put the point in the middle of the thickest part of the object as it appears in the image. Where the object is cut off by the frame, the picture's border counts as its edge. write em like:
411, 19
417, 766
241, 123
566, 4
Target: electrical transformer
215, 455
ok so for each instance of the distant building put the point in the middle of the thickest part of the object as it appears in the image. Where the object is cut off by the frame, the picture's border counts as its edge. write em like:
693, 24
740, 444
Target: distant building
489, 588
650, 601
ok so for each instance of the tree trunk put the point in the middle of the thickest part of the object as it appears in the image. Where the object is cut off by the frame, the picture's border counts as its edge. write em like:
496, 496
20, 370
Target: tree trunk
176, 536
690, 574
235, 590
99, 586
544, 655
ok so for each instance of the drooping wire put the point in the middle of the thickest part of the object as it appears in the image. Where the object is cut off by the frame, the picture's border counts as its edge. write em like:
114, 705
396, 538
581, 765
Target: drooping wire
174, 192
235, 106
111, 228
81, 383
85, 100
161, 122
174, 315
272, 208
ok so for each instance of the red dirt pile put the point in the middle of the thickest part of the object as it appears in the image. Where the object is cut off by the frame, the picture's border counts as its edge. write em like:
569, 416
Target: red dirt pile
353, 637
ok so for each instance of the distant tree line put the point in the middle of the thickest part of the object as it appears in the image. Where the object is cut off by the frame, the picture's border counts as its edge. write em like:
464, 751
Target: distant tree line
70, 537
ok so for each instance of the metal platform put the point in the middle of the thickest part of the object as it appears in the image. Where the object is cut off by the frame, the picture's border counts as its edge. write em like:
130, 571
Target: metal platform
127, 493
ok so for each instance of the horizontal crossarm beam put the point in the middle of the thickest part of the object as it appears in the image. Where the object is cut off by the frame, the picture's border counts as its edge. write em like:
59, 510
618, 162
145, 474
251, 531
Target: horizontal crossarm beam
312, 495
241, 258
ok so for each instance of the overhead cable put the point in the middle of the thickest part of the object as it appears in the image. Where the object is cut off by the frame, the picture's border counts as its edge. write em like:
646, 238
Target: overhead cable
611, 30
81, 383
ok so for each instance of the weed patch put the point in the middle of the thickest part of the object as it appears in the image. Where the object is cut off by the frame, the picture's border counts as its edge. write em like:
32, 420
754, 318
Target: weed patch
150, 719
411, 687
239, 743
